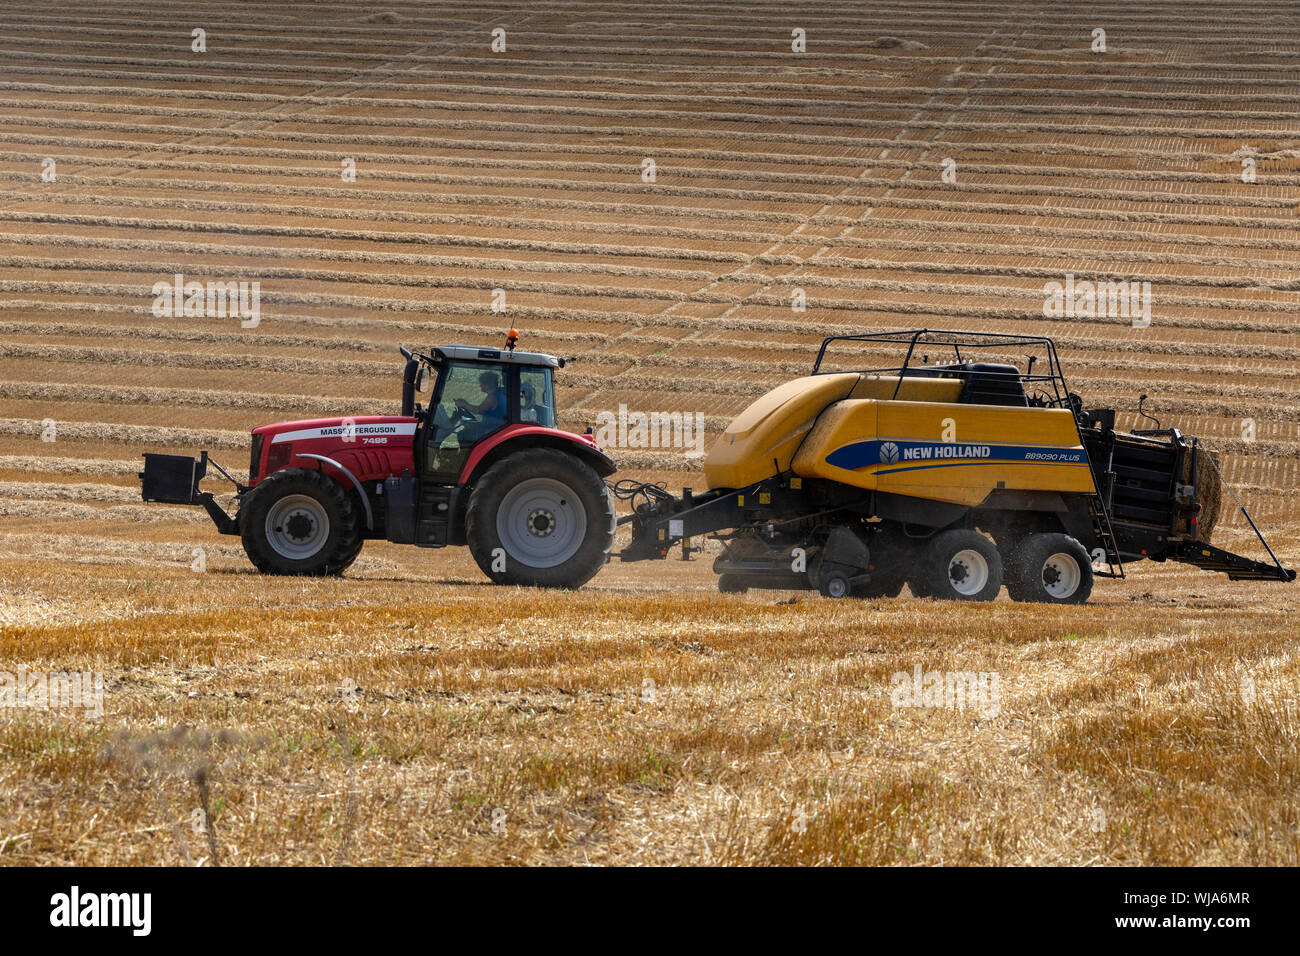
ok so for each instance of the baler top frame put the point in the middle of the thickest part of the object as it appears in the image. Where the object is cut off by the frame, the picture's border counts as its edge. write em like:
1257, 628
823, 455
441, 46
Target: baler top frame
1052, 377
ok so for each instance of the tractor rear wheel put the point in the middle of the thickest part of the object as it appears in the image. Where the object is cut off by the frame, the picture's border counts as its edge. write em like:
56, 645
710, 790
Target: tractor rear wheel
300, 521
540, 518
1050, 568
961, 565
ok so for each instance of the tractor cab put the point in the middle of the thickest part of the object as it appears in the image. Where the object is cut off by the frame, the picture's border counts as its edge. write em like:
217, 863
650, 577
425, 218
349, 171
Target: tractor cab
475, 393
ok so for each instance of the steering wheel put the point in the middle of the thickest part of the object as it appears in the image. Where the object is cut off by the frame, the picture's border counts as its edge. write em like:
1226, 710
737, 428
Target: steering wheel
461, 416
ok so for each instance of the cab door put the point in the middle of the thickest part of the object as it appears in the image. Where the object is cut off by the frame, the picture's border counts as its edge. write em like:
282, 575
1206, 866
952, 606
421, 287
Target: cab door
471, 403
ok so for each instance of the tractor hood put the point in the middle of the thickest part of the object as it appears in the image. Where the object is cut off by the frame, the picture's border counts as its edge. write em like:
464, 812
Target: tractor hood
349, 430
368, 446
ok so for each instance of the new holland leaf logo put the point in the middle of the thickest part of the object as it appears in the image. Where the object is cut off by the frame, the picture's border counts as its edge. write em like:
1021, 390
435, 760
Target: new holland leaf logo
889, 453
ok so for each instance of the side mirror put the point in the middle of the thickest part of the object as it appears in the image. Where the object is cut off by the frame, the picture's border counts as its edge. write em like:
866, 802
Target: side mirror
422, 379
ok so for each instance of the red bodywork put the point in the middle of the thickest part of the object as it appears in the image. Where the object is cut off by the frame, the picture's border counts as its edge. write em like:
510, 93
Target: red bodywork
372, 447
518, 430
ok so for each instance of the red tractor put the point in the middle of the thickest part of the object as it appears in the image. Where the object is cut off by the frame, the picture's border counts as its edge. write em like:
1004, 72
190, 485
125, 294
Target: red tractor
483, 465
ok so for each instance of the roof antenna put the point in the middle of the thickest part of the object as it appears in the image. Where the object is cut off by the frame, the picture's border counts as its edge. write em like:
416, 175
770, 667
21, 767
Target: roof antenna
512, 339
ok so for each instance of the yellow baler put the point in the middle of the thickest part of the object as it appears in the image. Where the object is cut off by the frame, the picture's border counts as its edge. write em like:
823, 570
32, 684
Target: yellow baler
953, 478
924, 445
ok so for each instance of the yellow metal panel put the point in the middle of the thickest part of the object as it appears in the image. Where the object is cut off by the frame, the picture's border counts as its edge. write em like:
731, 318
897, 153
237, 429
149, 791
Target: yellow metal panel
841, 424
763, 438
846, 428
913, 388
945, 452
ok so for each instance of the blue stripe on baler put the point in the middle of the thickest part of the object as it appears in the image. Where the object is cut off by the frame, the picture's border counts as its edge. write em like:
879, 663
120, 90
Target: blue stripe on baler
972, 463
865, 454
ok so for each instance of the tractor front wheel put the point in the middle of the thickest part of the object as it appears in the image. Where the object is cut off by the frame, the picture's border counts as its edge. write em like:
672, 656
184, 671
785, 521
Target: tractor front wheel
540, 518
299, 521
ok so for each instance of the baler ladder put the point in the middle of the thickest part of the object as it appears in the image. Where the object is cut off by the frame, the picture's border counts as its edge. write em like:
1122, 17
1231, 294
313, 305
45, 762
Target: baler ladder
1106, 535
1099, 505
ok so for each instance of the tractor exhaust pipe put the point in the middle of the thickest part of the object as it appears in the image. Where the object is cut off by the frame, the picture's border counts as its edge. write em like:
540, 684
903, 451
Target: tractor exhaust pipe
409, 376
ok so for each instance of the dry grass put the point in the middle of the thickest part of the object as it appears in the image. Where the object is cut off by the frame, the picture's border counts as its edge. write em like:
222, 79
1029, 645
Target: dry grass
643, 720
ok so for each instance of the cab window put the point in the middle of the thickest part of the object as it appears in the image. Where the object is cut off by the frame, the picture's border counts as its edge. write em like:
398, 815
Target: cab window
471, 404
536, 400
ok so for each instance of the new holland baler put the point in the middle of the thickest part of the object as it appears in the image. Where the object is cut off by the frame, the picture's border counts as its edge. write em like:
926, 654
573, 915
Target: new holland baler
955, 477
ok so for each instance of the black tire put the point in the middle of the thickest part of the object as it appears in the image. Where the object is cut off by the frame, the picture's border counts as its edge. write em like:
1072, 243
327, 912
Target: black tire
352, 554
916, 582
961, 565
531, 496
885, 582
300, 521
731, 583
1050, 568
834, 585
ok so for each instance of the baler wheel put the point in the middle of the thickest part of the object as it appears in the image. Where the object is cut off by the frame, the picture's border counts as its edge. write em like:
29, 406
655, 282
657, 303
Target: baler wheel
1050, 568
834, 585
961, 565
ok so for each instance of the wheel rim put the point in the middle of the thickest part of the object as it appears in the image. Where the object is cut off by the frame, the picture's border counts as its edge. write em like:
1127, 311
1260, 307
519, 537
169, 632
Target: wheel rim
541, 522
968, 571
1061, 575
836, 588
297, 526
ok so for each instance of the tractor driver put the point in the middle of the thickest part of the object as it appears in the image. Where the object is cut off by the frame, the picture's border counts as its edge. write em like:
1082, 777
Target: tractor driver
491, 411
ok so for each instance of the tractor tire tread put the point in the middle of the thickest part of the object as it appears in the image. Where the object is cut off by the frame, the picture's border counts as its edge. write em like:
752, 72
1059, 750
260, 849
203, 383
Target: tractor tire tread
489, 492
345, 539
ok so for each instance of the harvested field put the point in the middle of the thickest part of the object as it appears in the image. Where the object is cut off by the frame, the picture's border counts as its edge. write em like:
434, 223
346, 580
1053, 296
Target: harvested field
922, 164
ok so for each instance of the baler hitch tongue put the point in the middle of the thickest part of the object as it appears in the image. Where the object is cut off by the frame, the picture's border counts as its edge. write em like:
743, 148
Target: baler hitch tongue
651, 503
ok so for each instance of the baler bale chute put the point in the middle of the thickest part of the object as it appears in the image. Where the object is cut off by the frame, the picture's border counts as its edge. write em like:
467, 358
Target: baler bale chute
954, 477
